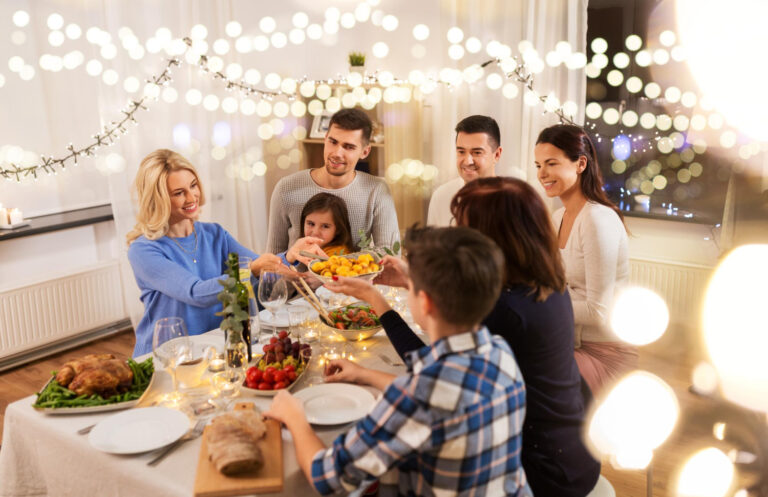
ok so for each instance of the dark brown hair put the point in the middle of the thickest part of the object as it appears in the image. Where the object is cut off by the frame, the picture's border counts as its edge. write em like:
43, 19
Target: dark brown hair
323, 202
575, 142
512, 214
352, 120
459, 268
481, 124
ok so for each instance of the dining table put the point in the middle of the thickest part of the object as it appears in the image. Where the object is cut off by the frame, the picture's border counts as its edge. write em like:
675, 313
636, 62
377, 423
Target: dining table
43, 455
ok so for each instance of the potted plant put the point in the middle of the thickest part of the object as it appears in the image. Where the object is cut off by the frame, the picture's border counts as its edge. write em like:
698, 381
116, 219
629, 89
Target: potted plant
356, 62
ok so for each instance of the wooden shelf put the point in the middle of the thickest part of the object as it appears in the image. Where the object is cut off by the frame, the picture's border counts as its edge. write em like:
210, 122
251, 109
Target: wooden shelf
320, 140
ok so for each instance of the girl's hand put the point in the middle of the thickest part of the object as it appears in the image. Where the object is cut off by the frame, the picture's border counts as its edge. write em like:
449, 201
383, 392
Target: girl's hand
309, 244
395, 272
285, 407
267, 261
342, 370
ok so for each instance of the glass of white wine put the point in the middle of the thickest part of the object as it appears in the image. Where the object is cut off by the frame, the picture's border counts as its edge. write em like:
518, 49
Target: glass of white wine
170, 347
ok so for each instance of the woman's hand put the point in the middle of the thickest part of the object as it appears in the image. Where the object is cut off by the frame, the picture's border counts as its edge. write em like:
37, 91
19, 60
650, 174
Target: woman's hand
360, 289
267, 261
309, 244
285, 408
395, 272
342, 370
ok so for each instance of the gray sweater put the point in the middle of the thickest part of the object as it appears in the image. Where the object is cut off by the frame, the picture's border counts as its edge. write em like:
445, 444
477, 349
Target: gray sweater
369, 204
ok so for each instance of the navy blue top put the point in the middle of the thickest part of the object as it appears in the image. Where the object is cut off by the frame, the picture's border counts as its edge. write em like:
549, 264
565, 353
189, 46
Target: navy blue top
540, 334
172, 284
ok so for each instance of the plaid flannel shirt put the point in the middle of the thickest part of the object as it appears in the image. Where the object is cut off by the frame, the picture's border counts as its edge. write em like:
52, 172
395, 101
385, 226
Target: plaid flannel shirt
452, 426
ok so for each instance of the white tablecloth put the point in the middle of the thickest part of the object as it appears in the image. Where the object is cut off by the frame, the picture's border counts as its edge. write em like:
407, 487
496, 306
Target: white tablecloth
42, 455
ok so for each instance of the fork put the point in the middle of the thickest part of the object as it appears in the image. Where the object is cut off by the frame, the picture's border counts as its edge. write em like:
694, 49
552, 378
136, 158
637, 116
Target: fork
388, 360
191, 435
87, 429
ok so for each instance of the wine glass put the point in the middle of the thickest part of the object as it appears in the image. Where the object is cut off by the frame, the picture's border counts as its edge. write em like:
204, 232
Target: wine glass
171, 346
273, 293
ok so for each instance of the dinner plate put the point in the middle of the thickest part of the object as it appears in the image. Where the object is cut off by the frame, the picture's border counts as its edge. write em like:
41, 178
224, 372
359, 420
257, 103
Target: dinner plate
280, 318
335, 403
139, 430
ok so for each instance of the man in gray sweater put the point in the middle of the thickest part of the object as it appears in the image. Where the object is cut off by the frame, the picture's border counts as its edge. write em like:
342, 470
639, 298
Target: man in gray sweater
368, 200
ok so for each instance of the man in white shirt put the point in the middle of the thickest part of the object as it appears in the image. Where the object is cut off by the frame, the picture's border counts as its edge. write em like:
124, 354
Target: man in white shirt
478, 149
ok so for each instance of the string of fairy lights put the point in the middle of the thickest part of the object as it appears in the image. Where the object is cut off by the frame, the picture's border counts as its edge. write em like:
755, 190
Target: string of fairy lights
512, 68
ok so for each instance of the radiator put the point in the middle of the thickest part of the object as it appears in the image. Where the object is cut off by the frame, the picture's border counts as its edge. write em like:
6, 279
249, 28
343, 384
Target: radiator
682, 286
40, 314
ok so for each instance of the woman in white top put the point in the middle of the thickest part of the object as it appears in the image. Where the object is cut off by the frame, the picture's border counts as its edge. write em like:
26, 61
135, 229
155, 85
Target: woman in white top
593, 243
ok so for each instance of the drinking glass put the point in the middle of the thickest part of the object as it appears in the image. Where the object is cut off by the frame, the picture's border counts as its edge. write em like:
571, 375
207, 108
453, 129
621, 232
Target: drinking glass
171, 346
273, 292
225, 386
297, 317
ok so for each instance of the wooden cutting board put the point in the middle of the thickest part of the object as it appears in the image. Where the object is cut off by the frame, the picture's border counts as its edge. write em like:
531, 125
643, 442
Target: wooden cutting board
210, 483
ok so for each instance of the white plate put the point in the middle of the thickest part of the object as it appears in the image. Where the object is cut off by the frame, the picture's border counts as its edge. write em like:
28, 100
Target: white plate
139, 430
335, 403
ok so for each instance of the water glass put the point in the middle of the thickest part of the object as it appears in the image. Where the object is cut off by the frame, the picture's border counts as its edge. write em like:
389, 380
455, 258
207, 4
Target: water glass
297, 317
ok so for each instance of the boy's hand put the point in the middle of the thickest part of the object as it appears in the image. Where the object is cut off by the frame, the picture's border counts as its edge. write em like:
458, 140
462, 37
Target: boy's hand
342, 370
285, 407
395, 272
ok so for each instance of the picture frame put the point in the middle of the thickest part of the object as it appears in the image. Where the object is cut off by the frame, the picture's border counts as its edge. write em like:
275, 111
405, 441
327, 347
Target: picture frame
320, 124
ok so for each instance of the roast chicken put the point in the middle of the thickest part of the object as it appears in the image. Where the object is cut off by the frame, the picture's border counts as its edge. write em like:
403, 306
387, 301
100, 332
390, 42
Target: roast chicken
102, 374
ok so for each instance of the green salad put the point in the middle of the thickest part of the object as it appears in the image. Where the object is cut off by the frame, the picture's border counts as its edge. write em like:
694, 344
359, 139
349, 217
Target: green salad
56, 396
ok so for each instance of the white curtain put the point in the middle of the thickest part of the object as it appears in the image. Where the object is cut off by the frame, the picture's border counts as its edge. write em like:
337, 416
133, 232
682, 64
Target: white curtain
56, 108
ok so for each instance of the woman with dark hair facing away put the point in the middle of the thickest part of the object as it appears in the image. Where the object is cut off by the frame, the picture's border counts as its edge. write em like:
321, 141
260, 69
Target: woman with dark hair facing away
533, 314
325, 216
594, 246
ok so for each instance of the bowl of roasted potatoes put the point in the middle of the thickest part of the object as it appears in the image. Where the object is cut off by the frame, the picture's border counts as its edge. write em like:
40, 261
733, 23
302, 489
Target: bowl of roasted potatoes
359, 265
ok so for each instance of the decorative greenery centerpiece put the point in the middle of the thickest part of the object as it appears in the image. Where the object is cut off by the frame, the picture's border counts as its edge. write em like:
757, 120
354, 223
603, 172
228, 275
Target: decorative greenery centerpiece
356, 59
366, 244
234, 301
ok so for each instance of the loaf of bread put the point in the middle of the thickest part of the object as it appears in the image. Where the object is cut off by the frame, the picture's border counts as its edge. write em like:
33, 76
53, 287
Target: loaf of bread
232, 440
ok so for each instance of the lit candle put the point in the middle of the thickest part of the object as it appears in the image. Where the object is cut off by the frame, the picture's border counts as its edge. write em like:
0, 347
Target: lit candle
216, 365
16, 216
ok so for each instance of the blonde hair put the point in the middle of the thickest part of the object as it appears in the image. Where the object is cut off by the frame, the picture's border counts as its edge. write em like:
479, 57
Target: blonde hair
151, 187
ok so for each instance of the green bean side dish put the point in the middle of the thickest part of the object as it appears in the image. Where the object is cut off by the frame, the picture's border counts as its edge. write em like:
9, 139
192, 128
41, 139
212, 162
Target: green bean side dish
56, 396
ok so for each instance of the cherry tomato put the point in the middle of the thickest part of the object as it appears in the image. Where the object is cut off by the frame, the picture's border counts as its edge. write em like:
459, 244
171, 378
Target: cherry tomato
291, 376
340, 326
268, 376
282, 335
252, 384
280, 384
270, 369
289, 367
265, 386
250, 375
273, 340
279, 376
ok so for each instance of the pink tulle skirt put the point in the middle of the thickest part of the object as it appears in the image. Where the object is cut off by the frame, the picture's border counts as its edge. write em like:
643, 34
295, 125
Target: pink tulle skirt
603, 362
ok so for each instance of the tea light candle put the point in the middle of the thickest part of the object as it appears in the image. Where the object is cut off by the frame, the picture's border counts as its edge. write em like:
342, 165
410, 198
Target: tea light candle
16, 216
216, 365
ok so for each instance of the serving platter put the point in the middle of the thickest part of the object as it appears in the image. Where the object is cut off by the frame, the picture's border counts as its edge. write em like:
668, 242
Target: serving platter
115, 406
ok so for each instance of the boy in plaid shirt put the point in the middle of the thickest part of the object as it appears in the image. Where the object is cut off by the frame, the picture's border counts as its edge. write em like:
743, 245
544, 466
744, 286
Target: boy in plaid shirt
452, 424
